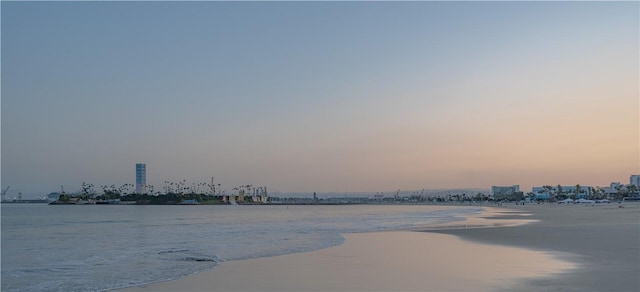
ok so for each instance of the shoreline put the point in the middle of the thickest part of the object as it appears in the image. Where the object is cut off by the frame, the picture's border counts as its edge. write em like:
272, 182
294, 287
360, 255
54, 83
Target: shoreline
497, 230
378, 261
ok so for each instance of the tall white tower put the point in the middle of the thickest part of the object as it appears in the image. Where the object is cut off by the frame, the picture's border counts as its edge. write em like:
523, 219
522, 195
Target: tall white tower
141, 178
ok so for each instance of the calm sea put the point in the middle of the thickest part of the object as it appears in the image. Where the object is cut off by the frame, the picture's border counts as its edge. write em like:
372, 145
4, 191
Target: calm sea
103, 247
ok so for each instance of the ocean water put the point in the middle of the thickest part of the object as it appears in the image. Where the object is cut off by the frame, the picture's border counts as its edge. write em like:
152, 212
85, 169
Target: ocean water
103, 247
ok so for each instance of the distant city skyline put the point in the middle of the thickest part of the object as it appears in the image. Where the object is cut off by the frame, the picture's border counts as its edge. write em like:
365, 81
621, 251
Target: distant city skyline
320, 96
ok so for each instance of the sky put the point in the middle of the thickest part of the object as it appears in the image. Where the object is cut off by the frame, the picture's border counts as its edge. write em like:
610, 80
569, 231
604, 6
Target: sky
319, 96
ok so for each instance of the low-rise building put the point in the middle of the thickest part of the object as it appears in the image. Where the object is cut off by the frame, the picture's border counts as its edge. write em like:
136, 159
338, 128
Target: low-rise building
501, 192
547, 192
613, 189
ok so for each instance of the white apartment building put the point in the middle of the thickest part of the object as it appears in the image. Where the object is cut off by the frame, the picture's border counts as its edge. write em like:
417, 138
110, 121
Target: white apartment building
501, 191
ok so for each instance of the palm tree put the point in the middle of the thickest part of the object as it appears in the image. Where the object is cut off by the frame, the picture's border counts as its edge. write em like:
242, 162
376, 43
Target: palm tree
578, 191
559, 192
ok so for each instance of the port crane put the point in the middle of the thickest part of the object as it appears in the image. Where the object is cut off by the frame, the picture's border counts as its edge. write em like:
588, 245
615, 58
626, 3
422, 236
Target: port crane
4, 193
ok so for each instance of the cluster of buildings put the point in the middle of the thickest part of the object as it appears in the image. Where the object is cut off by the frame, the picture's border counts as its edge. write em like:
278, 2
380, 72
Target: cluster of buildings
548, 192
241, 194
615, 190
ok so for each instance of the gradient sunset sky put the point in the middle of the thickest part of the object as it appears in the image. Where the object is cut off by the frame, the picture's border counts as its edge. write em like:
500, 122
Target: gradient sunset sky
320, 96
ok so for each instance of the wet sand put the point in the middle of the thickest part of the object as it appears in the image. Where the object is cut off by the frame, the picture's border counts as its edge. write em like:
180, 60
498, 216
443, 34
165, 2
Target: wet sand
381, 261
603, 240
566, 248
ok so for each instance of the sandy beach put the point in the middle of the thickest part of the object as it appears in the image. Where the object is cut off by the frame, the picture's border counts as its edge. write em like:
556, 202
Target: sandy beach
603, 240
562, 248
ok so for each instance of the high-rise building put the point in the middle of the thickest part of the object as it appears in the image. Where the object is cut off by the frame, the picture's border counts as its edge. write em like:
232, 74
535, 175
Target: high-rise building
141, 178
635, 180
